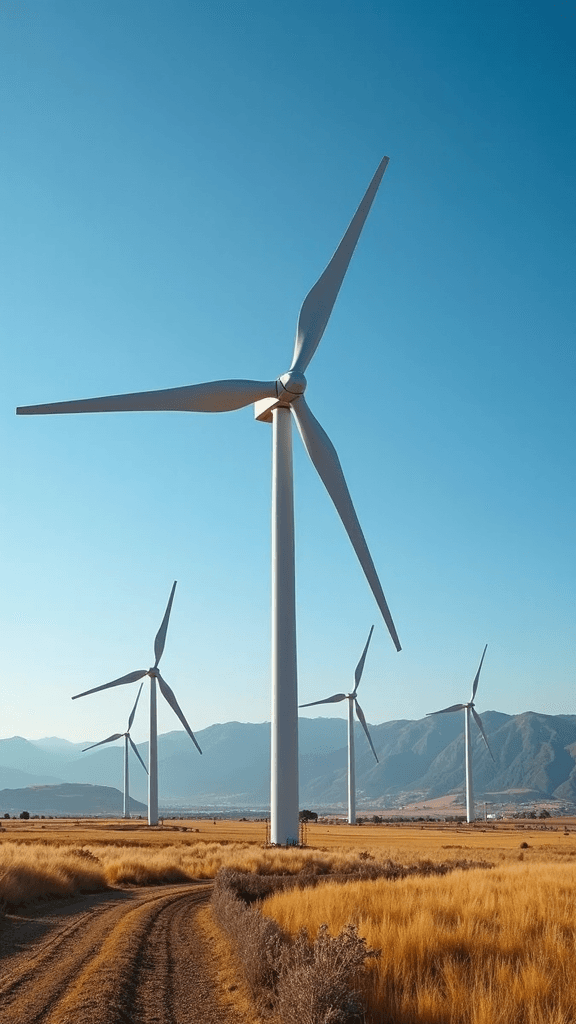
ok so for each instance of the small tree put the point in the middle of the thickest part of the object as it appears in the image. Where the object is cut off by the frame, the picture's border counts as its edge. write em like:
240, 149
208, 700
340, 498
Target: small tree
25, 815
308, 816
6, 815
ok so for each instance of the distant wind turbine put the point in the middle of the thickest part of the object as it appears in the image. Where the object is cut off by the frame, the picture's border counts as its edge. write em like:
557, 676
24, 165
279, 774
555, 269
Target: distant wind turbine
352, 703
168, 695
274, 401
127, 740
467, 708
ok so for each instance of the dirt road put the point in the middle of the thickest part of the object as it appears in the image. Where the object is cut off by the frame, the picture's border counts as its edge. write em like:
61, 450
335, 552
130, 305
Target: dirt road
130, 957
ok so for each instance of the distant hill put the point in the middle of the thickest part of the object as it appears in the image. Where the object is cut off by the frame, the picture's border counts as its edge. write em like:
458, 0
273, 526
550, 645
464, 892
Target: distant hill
12, 778
421, 759
67, 799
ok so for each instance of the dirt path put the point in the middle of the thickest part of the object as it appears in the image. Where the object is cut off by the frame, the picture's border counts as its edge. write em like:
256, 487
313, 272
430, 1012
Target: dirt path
123, 958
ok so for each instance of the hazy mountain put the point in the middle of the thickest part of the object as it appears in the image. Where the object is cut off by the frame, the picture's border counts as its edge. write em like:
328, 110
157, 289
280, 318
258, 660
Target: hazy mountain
55, 745
13, 778
17, 752
418, 760
68, 799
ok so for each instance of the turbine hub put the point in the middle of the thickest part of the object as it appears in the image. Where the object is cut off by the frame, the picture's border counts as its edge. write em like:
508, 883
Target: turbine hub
291, 385
152, 672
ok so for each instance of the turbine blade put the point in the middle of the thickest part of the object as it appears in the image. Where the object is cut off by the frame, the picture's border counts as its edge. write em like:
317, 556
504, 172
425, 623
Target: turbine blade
168, 695
214, 396
324, 457
161, 634
478, 721
137, 752
116, 736
360, 665
360, 714
477, 676
132, 677
319, 302
131, 719
336, 697
453, 707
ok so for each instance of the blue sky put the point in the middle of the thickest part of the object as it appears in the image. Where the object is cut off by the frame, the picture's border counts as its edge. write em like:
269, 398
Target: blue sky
176, 178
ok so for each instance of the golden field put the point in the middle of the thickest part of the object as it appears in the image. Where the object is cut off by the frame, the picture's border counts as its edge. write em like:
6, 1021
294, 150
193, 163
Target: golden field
492, 945
476, 947
486, 946
498, 836
59, 857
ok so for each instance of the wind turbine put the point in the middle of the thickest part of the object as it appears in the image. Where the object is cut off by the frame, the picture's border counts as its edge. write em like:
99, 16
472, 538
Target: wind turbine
352, 703
127, 740
274, 401
467, 708
168, 695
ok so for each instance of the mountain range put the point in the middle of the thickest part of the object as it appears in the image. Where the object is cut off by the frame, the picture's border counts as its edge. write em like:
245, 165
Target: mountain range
535, 759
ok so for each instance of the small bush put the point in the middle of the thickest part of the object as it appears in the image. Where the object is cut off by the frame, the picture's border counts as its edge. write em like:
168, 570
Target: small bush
302, 982
315, 979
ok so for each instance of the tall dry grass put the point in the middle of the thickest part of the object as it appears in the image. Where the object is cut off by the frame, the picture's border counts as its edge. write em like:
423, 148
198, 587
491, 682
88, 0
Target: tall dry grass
29, 873
33, 871
144, 866
476, 947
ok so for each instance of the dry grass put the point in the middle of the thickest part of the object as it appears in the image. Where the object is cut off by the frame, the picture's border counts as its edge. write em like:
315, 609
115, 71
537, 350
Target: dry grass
133, 853
31, 873
477, 947
406, 840
142, 866
34, 871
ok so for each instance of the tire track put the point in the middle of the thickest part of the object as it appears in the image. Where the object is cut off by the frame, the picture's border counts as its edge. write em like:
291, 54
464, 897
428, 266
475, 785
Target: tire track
138, 960
173, 985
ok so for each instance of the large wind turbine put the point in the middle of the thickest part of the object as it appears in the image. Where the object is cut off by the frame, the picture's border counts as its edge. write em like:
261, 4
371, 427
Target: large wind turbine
274, 401
467, 708
168, 695
127, 740
352, 703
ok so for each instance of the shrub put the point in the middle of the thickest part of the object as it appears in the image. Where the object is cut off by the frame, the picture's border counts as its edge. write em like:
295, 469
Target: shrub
256, 939
315, 979
302, 982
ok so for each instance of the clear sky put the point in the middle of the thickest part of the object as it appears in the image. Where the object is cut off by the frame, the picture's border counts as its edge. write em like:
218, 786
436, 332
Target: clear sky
176, 177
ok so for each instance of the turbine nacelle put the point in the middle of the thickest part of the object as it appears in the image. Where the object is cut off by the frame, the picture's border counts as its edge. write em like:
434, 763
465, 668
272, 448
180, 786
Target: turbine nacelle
291, 385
